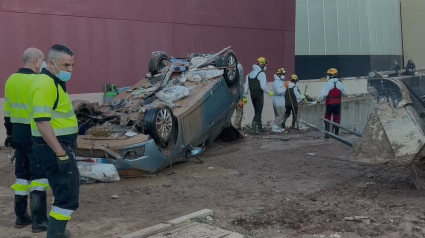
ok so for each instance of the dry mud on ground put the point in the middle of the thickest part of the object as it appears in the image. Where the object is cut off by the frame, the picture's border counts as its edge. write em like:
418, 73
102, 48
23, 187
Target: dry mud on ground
261, 186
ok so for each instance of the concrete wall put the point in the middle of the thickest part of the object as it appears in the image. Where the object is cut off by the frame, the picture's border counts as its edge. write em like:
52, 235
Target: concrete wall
413, 18
354, 113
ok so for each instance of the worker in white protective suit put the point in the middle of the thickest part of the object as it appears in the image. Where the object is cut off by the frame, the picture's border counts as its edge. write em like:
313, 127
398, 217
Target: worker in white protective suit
256, 86
279, 101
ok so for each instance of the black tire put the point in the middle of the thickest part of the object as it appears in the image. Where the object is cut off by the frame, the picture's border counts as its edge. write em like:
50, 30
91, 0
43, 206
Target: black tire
231, 75
159, 123
157, 62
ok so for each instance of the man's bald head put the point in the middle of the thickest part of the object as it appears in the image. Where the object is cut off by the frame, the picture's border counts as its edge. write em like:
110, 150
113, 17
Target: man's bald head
32, 53
33, 58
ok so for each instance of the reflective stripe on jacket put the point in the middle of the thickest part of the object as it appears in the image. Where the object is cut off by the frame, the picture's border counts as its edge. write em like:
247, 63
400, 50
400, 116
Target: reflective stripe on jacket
44, 95
16, 98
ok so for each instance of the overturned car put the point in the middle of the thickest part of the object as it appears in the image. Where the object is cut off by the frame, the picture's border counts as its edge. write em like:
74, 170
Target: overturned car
172, 114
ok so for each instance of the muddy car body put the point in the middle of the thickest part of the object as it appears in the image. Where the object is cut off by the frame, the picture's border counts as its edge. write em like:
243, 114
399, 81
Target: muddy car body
176, 110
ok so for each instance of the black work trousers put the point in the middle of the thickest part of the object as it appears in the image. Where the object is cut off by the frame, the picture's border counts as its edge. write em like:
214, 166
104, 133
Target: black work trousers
26, 164
65, 186
258, 102
289, 109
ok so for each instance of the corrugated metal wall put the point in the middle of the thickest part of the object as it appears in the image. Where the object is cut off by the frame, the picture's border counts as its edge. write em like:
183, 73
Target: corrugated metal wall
346, 34
113, 40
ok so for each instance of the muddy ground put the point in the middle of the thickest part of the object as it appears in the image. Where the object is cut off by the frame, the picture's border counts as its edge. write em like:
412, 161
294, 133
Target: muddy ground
262, 186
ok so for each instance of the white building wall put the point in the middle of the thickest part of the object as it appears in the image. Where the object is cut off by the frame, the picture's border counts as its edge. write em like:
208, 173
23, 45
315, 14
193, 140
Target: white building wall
348, 27
413, 19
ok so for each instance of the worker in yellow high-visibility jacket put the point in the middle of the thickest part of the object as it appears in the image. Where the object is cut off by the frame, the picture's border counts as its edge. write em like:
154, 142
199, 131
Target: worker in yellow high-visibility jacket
17, 116
54, 130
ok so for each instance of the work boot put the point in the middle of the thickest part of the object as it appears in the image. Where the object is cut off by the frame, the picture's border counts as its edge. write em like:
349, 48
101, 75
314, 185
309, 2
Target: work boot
22, 218
327, 129
38, 211
284, 122
294, 119
56, 229
336, 130
260, 127
254, 127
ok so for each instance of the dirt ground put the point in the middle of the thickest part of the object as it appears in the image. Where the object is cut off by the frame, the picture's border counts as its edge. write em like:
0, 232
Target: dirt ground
293, 185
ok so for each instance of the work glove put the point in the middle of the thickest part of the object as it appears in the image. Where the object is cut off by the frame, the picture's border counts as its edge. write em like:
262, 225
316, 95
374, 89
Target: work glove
240, 104
9, 142
63, 163
245, 100
305, 100
271, 94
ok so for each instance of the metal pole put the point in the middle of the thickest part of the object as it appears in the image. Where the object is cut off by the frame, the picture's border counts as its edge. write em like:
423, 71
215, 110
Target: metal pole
340, 139
338, 125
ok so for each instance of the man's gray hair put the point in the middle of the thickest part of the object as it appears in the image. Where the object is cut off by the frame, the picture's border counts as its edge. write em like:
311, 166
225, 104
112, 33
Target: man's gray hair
59, 49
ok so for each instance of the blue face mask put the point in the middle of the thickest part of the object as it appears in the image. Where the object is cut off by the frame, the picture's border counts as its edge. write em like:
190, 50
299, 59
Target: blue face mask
63, 76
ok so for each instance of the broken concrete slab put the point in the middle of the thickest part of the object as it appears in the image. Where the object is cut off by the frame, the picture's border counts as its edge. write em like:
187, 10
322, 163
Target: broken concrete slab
183, 227
199, 214
147, 231
196, 229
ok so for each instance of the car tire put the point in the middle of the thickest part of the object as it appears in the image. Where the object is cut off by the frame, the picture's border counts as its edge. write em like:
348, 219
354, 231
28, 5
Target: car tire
231, 75
159, 123
157, 62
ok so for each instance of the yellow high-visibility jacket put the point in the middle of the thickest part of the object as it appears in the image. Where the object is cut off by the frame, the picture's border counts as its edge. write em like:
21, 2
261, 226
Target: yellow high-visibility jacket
51, 102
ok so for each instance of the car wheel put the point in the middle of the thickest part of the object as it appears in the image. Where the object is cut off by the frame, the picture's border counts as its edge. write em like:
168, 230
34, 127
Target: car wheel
159, 124
157, 62
231, 74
